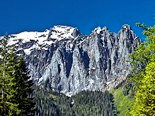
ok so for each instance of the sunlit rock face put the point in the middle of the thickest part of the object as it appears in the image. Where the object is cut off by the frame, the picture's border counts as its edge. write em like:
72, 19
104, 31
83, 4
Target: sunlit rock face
65, 60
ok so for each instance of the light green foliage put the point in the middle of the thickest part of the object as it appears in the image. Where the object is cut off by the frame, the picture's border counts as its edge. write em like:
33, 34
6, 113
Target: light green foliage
122, 102
143, 55
143, 62
145, 96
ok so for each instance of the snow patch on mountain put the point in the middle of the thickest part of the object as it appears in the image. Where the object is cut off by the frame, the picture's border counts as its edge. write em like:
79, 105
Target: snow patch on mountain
28, 36
62, 32
42, 40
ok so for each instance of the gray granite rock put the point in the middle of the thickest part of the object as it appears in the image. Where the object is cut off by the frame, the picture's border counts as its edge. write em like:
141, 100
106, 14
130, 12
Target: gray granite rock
69, 62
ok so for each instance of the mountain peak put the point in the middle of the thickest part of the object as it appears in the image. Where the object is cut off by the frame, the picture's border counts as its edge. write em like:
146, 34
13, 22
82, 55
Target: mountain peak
100, 30
126, 27
63, 32
63, 28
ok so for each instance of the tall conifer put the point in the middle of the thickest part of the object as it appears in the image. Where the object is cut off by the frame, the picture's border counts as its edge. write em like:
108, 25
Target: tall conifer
7, 80
24, 87
16, 87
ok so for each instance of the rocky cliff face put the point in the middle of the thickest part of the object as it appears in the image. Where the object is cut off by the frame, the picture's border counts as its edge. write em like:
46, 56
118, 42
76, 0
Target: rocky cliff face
63, 59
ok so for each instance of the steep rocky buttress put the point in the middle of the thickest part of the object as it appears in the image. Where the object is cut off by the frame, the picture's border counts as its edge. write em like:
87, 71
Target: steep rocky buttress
65, 60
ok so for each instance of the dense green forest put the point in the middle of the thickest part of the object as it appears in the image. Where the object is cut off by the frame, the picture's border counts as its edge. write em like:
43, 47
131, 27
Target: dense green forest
85, 103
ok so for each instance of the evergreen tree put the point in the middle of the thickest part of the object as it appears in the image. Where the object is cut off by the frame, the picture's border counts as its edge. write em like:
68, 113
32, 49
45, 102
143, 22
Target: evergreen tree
24, 87
16, 87
7, 80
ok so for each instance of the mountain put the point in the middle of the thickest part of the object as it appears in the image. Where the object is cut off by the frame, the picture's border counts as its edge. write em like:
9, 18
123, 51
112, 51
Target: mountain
65, 60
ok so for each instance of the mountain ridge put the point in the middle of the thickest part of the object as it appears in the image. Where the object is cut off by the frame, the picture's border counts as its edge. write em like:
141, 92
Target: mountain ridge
67, 61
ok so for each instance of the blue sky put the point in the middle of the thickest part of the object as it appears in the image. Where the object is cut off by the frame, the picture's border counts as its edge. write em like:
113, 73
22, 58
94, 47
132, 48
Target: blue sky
30, 15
